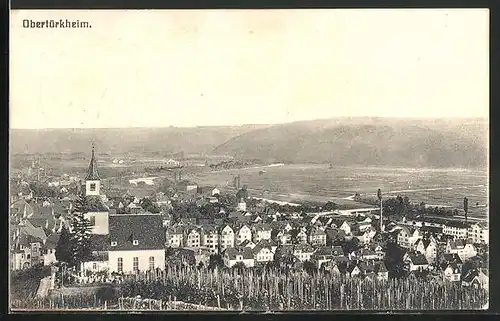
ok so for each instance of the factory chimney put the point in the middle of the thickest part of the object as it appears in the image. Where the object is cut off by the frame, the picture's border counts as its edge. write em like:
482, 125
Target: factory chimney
379, 196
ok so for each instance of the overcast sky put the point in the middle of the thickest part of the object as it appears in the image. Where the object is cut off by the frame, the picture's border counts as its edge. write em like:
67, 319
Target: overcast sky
231, 67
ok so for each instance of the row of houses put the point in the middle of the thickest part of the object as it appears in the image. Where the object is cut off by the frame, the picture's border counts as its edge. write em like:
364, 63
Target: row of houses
414, 238
477, 232
219, 237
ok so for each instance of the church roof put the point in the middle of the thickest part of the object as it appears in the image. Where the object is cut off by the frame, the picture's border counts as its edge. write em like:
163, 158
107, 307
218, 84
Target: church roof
92, 174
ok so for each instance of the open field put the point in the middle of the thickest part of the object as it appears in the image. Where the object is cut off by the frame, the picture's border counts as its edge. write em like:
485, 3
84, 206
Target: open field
441, 187
304, 182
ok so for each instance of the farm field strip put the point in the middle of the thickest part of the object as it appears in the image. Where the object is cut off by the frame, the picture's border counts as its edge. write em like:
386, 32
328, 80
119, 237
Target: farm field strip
319, 183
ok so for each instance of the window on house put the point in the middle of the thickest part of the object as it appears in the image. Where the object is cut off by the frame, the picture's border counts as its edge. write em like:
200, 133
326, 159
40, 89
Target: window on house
92, 187
28, 256
113, 243
92, 220
94, 266
120, 264
135, 242
136, 264
151, 262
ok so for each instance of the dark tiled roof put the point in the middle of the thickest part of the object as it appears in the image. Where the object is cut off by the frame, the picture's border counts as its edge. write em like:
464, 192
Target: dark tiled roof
209, 229
304, 248
246, 243
334, 233
380, 267
452, 258
147, 229
246, 252
469, 277
418, 259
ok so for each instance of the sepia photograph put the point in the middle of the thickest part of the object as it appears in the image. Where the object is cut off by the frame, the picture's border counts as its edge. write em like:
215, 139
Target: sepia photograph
249, 160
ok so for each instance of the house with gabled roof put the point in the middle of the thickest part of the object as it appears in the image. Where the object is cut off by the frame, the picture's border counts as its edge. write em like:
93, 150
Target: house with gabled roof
408, 236
449, 258
27, 251
456, 229
325, 253
192, 237
378, 249
332, 267
210, 238
463, 248
281, 236
175, 236
248, 243
263, 254
452, 272
346, 226
303, 252
381, 271
476, 278
417, 262
226, 237
365, 237
242, 234
231, 256
317, 236
428, 247
261, 231
137, 242
479, 233
353, 270
299, 236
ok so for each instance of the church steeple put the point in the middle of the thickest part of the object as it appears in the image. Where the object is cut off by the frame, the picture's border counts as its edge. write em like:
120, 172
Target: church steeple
92, 180
92, 174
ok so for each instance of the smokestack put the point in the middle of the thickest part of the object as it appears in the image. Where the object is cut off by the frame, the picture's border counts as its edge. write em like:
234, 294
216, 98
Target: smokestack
180, 176
379, 196
238, 181
466, 207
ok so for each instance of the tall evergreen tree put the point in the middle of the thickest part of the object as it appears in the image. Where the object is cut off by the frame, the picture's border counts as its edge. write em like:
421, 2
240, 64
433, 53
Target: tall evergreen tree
80, 232
64, 251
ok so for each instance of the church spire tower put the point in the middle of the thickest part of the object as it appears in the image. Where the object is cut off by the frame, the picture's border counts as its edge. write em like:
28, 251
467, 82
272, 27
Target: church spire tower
92, 180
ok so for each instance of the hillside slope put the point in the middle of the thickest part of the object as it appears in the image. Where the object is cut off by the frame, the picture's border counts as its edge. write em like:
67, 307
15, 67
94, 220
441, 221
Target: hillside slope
124, 140
367, 141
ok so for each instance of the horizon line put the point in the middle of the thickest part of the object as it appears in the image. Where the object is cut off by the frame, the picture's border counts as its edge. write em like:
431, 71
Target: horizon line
265, 124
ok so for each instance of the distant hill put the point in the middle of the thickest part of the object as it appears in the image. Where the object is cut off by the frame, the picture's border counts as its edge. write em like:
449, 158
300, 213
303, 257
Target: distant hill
340, 141
368, 141
124, 140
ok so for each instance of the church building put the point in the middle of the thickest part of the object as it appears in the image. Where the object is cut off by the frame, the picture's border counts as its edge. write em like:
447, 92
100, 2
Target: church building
98, 212
123, 243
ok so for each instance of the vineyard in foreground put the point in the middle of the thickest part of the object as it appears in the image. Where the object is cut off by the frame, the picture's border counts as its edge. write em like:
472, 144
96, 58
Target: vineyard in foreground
271, 290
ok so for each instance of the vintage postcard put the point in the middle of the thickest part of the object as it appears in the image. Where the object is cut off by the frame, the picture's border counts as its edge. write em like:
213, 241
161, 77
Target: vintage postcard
249, 160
